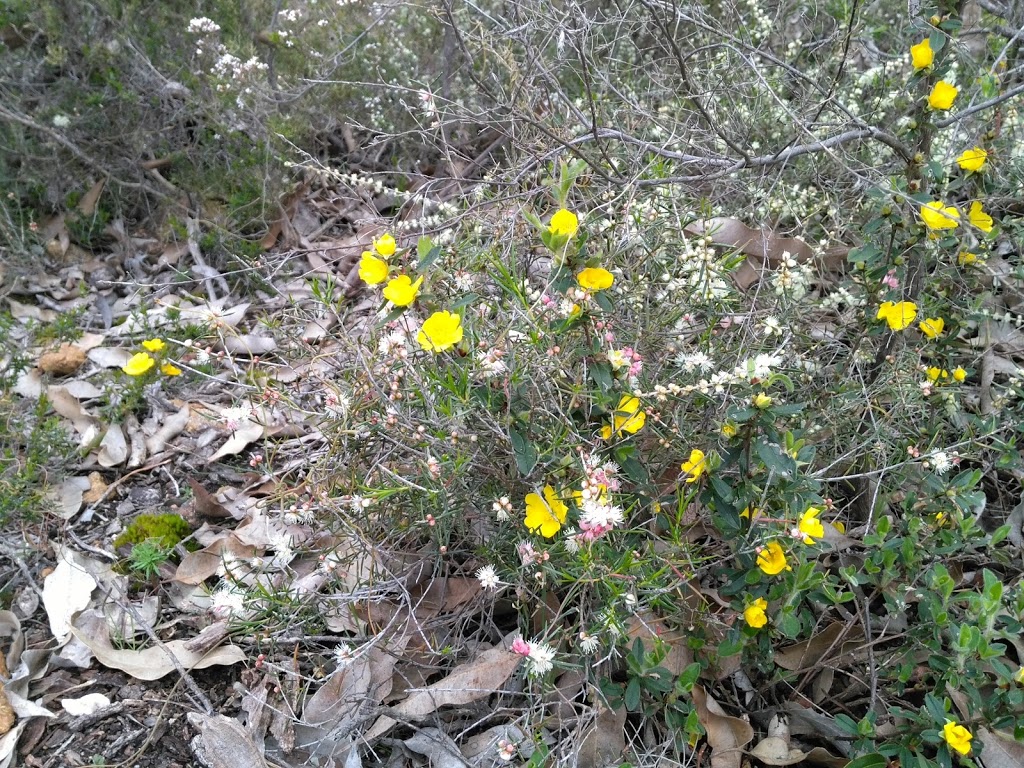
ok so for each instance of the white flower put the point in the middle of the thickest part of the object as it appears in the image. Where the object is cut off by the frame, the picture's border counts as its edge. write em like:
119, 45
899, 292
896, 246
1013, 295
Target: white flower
772, 326
227, 600
588, 643
941, 462
281, 543
488, 577
336, 405
696, 361
61, 121
491, 363
600, 512
540, 659
344, 655
233, 417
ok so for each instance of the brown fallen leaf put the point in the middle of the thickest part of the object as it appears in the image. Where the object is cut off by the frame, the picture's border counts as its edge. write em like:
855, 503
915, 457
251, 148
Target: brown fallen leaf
604, 742
472, 681
727, 735
835, 640
1001, 750
62, 362
97, 487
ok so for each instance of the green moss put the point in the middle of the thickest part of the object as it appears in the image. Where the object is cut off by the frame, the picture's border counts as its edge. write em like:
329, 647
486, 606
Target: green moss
168, 529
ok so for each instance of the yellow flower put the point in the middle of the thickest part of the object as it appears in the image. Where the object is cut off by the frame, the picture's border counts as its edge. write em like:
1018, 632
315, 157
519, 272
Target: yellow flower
936, 216
932, 327
564, 223
601, 497
749, 513
627, 418
922, 54
942, 95
810, 525
545, 517
1019, 677
958, 737
595, 279
898, 315
959, 374
695, 466
762, 400
966, 257
772, 560
385, 246
729, 430
372, 270
979, 218
972, 160
170, 370
138, 364
402, 291
440, 331
154, 345
754, 614
934, 374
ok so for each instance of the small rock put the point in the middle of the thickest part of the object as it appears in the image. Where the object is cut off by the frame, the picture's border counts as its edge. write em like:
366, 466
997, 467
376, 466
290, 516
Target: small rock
63, 362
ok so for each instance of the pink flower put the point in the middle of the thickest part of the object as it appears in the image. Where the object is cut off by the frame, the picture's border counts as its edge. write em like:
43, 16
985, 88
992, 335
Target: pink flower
521, 647
891, 280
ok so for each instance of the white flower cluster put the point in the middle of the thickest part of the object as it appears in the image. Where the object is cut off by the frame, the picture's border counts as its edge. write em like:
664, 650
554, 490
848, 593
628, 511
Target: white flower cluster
751, 370
791, 279
490, 361
229, 67
443, 210
203, 26
697, 273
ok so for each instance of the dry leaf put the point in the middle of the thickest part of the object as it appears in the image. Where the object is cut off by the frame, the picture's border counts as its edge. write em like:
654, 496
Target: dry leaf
832, 641
249, 344
197, 567
69, 497
223, 743
469, 682
66, 405
774, 749
248, 432
439, 749
727, 735
66, 591
605, 740
651, 628
113, 447
110, 357
173, 426
1001, 750
149, 663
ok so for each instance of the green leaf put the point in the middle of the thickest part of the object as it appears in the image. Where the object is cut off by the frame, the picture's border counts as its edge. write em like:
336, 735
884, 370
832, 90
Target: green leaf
525, 452
423, 247
689, 677
429, 258
632, 695
872, 760
775, 459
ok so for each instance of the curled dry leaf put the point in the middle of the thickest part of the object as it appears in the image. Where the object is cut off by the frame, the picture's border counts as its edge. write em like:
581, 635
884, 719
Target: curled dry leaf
774, 749
727, 735
68, 406
150, 663
173, 426
113, 447
248, 432
66, 591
